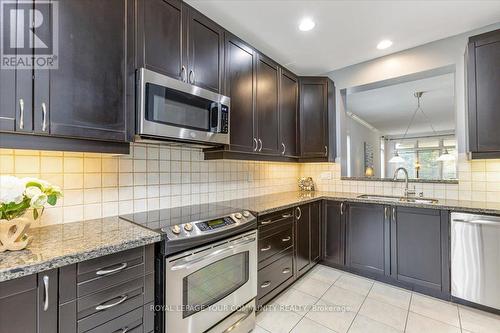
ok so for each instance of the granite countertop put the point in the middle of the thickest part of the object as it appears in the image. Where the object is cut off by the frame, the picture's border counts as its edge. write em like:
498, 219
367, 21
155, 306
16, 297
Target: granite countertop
274, 202
64, 244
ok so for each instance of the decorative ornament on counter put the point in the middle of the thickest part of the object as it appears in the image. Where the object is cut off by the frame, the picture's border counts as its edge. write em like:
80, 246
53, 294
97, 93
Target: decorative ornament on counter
306, 184
17, 198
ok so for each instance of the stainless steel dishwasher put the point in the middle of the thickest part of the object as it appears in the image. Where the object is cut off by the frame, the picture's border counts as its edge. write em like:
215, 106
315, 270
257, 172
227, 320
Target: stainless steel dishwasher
475, 258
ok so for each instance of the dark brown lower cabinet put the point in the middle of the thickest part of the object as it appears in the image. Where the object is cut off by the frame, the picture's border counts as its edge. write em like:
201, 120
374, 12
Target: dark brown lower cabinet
333, 236
420, 249
303, 238
29, 304
112, 293
367, 238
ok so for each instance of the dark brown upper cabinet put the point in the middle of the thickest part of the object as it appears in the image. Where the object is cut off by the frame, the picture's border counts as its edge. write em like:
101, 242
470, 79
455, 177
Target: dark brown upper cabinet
160, 37
178, 41
483, 98
266, 106
317, 119
87, 96
288, 107
83, 103
205, 42
240, 87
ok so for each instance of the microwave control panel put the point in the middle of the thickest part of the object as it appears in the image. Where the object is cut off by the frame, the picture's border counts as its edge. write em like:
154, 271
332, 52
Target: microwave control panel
224, 119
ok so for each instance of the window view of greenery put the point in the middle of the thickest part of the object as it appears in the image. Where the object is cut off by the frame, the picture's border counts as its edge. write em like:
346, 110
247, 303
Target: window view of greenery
421, 158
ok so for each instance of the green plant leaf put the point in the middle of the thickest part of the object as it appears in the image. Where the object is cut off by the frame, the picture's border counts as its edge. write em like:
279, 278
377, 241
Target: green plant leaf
52, 199
35, 214
28, 184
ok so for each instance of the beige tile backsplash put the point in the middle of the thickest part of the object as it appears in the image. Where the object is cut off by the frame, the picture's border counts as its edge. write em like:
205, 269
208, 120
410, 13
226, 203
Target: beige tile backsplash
158, 176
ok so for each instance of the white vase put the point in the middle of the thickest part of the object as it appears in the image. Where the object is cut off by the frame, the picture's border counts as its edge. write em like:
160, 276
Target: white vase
13, 235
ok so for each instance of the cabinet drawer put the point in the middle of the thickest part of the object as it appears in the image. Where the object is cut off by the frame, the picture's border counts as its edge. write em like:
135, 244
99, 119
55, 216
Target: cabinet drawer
109, 265
275, 241
275, 274
275, 219
104, 306
130, 322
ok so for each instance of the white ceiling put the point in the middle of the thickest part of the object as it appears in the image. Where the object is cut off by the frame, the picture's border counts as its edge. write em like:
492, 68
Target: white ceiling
346, 32
389, 109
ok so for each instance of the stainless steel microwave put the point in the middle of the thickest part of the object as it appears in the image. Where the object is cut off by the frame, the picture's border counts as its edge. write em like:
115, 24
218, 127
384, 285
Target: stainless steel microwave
169, 109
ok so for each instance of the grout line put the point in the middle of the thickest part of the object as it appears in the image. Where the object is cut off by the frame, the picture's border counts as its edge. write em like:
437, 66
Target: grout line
360, 307
408, 311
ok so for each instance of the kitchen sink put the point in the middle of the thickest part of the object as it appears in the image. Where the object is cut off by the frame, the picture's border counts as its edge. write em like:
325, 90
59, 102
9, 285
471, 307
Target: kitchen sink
398, 199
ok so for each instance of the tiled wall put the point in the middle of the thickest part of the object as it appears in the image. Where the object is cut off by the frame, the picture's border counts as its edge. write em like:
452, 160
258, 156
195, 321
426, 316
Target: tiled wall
157, 176
151, 177
477, 181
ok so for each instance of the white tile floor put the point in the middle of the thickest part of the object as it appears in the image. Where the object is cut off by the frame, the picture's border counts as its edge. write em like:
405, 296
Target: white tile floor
327, 300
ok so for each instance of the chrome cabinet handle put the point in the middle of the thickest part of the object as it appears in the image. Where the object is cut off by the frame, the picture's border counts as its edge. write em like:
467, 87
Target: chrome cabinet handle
394, 213
260, 142
122, 330
183, 74
286, 239
191, 76
386, 212
285, 270
266, 222
326, 151
265, 284
284, 148
112, 270
341, 208
44, 117
101, 307
285, 216
267, 248
299, 212
46, 293
256, 144
21, 113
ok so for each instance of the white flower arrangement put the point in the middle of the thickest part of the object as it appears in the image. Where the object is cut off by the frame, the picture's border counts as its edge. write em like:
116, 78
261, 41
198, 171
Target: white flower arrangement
19, 195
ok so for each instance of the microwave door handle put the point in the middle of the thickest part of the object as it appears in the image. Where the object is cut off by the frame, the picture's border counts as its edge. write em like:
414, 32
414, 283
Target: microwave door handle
219, 117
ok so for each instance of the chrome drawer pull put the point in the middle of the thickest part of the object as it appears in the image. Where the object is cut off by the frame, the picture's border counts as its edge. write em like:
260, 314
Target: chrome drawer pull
267, 248
299, 213
46, 293
112, 270
111, 305
122, 330
265, 284
266, 222
286, 270
286, 239
285, 216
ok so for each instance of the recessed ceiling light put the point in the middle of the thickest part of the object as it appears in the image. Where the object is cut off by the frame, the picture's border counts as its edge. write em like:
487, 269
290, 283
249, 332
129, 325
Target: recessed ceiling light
384, 44
306, 24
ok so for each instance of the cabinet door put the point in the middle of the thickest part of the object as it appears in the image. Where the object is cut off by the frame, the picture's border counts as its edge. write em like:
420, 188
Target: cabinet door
87, 91
315, 231
8, 103
419, 241
47, 301
313, 117
205, 52
303, 234
18, 305
486, 99
288, 106
240, 87
367, 238
334, 233
160, 29
267, 105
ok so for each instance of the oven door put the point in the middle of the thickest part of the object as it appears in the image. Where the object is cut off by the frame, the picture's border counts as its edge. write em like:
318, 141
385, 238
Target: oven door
205, 287
172, 109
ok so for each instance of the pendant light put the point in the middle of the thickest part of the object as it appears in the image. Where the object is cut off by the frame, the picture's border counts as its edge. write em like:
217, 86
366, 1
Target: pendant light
446, 156
396, 158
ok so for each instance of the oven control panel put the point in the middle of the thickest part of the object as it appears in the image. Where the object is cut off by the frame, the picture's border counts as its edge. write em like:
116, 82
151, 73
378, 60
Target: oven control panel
214, 224
194, 229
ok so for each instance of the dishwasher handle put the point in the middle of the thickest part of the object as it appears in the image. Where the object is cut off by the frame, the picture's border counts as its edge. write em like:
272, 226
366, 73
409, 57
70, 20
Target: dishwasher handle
478, 221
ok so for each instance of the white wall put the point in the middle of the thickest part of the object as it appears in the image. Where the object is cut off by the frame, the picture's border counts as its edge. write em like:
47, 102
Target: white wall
445, 52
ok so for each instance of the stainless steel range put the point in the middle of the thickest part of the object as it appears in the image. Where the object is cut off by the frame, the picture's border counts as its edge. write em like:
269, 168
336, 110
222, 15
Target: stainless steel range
206, 268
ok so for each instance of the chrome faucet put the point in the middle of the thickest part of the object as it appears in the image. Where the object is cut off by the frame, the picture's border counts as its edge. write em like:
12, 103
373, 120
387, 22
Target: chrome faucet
407, 191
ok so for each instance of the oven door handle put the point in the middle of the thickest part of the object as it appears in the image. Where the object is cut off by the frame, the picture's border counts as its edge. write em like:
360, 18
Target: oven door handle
186, 264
